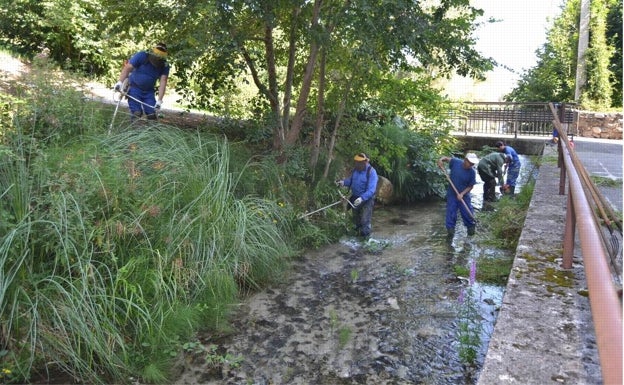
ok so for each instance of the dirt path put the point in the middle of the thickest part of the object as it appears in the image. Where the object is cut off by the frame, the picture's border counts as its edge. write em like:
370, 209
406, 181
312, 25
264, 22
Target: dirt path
354, 314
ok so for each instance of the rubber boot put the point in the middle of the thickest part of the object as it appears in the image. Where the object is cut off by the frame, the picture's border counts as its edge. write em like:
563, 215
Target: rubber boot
136, 116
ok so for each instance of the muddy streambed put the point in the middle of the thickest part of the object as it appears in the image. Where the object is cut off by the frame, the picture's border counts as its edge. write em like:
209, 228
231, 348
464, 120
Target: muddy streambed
353, 314
386, 312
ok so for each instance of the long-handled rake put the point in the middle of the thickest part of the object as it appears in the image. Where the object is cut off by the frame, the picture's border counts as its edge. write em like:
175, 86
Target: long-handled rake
457, 193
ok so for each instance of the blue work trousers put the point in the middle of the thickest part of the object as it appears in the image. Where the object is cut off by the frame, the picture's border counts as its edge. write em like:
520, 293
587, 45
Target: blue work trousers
512, 174
362, 216
147, 98
452, 205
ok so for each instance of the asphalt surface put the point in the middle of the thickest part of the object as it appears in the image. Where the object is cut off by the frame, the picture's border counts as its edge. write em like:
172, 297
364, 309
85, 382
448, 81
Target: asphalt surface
603, 158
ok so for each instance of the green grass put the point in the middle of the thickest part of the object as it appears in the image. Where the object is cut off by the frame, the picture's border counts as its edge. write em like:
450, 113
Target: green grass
116, 249
506, 222
493, 271
606, 182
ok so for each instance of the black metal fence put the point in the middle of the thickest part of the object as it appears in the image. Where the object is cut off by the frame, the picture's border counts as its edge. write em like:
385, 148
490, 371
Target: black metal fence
510, 118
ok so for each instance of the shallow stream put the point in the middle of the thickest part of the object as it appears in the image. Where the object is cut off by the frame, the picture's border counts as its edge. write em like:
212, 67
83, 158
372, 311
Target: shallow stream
384, 312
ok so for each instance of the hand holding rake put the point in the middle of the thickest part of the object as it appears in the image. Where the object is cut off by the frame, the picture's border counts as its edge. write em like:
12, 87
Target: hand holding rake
457, 193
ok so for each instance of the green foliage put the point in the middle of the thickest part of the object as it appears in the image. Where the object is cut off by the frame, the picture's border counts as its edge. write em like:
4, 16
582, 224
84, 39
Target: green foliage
259, 58
56, 111
70, 30
20, 23
214, 359
554, 77
469, 320
116, 248
269, 44
425, 150
597, 92
494, 271
614, 39
506, 222
344, 334
605, 182
404, 152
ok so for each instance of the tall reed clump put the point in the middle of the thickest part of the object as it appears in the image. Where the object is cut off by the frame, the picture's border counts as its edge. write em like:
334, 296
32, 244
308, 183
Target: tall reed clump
116, 249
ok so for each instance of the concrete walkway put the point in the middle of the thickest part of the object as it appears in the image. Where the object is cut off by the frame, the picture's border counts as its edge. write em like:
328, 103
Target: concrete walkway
544, 333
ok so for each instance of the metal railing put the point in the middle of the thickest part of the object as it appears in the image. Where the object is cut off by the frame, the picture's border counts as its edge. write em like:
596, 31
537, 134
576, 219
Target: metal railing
606, 305
509, 117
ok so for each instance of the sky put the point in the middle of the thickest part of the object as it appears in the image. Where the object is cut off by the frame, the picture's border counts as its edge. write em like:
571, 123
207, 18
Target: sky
512, 42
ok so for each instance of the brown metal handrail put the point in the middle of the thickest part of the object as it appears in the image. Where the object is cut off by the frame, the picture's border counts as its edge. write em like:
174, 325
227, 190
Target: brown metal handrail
606, 306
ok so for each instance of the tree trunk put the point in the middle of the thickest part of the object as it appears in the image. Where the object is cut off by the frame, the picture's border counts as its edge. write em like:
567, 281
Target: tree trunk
293, 133
290, 68
278, 129
320, 113
339, 115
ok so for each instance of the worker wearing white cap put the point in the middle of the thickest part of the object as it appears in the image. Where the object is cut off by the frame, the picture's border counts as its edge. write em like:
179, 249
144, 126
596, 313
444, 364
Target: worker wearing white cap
462, 179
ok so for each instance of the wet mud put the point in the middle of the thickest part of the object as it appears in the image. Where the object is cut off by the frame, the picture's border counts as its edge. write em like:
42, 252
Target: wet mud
378, 312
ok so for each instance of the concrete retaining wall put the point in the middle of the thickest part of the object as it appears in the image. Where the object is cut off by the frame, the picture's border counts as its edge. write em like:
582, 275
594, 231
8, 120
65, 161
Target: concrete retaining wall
544, 332
526, 146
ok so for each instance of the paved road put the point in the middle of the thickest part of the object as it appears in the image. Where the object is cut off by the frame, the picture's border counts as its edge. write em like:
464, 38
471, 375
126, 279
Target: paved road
603, 158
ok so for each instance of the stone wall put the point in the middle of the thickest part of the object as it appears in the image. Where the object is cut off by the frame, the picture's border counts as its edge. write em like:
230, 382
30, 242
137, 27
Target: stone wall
599, 125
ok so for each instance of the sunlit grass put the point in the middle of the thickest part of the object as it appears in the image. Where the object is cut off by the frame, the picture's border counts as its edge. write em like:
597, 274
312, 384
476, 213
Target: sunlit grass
606, 182
117, 249
507, 221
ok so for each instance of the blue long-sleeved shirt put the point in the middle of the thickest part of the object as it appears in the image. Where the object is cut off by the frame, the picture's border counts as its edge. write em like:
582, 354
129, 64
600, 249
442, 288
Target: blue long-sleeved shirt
515, 160
462, 178
361, 184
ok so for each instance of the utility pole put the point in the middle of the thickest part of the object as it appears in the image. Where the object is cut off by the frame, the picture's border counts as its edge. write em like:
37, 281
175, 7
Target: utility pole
583, 44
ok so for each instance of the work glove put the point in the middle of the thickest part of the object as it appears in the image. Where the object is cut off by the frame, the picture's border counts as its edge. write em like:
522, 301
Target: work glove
357, 202
118, 86
158, 104
340, 183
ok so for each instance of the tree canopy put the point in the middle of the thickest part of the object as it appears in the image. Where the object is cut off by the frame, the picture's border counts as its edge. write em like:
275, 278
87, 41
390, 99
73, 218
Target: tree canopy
336, 50
287, 59
554, 76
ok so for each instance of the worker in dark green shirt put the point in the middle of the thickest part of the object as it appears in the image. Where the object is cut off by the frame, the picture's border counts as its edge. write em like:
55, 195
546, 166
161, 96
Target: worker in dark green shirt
490, 168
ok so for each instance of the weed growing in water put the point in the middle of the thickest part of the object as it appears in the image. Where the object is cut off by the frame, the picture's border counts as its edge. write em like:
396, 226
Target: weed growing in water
469, 328
343, 336
507, 221
213, 358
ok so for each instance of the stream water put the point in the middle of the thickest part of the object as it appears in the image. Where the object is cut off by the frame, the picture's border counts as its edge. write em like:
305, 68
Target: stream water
382, 312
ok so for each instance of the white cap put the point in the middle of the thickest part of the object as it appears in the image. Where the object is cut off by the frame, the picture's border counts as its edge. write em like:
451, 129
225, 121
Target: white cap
472, 158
